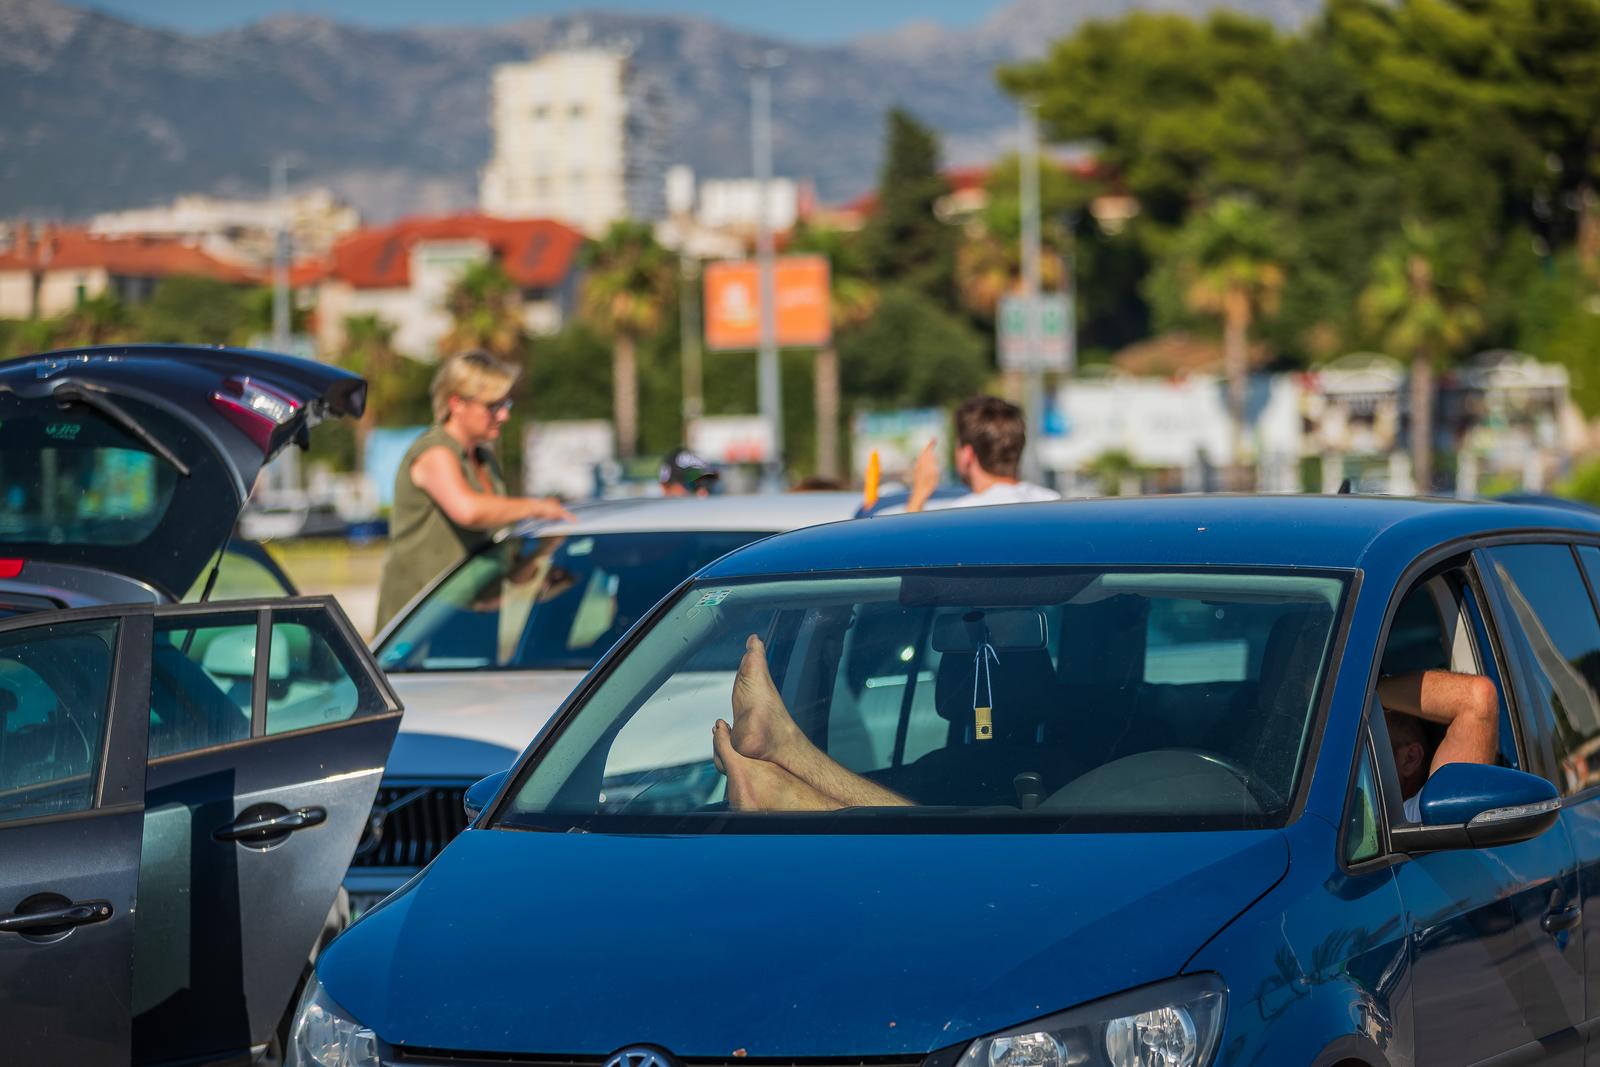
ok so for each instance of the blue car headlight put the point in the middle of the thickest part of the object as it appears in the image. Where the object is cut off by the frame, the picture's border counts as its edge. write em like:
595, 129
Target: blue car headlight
324, 1035
1170, 1024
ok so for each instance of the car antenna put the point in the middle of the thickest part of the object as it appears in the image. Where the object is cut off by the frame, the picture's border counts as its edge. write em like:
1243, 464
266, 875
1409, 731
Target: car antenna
1344, 487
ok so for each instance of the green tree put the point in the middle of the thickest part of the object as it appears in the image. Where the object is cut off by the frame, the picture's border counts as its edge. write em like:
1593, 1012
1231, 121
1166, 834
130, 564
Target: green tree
1559, 319
905, 242
1178, 109
485, 309
912, 353
193, 310
628, 288
1423, 305
1228, 263
99, 320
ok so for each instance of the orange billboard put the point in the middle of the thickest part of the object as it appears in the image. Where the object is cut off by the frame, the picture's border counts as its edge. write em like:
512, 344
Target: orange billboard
733, 303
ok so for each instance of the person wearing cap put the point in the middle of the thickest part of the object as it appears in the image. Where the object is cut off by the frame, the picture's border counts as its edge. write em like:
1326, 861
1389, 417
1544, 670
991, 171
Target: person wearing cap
685, 474
449, 495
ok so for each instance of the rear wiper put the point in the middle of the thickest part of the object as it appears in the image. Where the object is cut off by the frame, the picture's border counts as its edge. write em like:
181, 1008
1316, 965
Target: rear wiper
93, 398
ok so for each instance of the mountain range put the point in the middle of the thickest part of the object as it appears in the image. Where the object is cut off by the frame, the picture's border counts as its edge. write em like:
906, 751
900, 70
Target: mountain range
98, 113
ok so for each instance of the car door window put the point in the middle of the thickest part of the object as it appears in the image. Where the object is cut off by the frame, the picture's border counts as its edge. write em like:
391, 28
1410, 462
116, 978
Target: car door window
1363, 818
1554, 629
54, 685
312, 679
201, 681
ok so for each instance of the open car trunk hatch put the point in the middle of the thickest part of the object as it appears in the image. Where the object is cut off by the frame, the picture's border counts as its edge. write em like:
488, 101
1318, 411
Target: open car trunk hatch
138, 458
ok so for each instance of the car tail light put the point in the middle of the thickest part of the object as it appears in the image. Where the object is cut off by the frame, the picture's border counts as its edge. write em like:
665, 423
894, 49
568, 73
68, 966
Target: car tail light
10, 568
255, 408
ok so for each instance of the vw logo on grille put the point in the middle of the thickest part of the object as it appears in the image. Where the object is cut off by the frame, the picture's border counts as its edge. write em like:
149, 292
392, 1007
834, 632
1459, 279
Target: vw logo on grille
641, 1056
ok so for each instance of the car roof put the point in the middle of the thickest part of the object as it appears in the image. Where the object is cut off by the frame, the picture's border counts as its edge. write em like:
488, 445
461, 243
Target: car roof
761, 512
1291, 531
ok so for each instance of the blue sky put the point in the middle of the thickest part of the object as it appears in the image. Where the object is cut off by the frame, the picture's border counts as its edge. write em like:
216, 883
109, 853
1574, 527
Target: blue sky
813, 20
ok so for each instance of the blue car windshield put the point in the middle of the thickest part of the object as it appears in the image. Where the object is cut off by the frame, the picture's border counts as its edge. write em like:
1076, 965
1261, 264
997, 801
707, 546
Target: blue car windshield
548, 603
1070, 698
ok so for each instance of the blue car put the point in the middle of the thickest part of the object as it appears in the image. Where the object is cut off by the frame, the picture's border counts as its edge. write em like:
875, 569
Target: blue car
1113, 788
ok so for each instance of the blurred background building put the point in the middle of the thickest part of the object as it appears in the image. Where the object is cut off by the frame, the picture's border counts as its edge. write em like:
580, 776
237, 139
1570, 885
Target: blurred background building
580, 135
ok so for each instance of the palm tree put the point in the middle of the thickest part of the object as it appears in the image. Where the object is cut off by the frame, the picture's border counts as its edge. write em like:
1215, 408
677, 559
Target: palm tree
369, 351
486, 308
1227, 259
1419, 307
989, 267
628, 287
852, 299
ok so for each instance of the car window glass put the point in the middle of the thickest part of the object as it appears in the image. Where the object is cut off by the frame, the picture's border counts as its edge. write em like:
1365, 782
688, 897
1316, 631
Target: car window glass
54, 686
1362, 818
553, 603
313, 676
201, 678
974, 693
70, 476
240, 578
1554, 629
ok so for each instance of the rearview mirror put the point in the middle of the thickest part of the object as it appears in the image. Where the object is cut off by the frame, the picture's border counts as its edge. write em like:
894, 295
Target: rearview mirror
1016, 629
481, 792
1471, 805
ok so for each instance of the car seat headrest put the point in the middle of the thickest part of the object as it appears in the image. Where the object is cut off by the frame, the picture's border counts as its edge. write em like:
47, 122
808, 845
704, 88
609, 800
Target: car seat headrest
232, 654
1291, 658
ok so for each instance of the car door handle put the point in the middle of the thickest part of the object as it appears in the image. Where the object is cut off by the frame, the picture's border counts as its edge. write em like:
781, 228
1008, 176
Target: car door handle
263, 826
79, 914
1561, 919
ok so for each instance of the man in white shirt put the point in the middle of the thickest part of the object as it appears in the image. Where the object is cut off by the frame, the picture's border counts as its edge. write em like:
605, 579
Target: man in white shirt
1467, 705
990, 434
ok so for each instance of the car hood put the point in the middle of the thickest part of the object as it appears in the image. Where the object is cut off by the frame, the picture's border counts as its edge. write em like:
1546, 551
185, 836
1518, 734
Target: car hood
780, 946
467, 724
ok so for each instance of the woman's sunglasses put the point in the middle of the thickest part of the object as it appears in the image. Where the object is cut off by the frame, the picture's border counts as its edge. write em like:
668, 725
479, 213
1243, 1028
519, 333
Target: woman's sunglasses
501, 405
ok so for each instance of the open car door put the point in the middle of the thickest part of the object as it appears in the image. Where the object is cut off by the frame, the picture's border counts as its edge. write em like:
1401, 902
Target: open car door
137, 459
269, 728
74, 701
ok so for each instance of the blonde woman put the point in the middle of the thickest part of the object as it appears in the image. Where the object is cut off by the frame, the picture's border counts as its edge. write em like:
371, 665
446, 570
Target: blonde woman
449, 496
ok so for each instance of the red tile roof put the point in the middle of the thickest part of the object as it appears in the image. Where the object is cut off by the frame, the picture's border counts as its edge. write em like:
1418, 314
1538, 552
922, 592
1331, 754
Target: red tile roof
134, 257
536, 253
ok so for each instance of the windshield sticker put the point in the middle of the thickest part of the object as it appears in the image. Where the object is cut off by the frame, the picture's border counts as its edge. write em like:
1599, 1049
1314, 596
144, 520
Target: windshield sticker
581, 548
63, 431
713, 598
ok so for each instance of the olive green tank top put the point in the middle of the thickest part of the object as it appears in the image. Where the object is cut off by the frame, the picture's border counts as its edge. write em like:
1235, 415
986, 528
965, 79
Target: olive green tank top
422, 539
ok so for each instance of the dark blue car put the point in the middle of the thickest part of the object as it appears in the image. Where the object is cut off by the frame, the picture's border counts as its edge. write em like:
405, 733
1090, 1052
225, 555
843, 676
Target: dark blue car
1145, 809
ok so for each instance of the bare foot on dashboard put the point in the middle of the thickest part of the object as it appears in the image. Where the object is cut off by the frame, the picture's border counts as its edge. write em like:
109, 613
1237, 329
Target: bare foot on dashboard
762, 727
756, 785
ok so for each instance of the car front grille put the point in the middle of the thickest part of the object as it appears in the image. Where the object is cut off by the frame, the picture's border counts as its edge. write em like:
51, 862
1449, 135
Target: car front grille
410, 824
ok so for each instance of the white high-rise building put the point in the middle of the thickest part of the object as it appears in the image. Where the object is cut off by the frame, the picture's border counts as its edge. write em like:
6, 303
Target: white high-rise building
579, 137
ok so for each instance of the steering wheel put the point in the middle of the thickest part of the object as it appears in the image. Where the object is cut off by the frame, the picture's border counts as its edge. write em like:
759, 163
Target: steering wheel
1259, 790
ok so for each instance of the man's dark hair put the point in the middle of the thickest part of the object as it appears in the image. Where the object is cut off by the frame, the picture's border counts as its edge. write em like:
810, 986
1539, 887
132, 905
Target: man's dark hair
996, 431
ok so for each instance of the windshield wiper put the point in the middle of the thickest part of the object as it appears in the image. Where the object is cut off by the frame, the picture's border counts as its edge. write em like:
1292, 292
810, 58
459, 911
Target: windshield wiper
93, 398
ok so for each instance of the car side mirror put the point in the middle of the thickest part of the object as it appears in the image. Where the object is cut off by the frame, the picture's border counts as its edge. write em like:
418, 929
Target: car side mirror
1473, 805
481, 792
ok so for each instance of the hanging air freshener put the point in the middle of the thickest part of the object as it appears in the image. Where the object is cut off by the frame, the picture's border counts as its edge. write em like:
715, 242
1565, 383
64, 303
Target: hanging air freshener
983, 714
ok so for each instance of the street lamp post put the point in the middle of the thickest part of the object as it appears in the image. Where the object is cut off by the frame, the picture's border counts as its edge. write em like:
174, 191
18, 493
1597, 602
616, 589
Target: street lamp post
1034, 392
769, 385
280, 254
